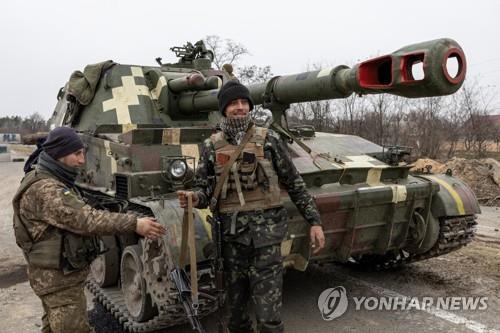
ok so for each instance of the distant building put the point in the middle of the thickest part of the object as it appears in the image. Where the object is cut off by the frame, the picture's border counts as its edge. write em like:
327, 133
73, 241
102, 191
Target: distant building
10, 138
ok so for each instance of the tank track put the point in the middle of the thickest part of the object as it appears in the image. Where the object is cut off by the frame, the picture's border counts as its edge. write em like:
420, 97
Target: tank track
454, 233
169, 315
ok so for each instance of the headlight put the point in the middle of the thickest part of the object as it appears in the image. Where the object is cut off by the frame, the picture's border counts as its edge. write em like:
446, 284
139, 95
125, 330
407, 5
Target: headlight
178, 168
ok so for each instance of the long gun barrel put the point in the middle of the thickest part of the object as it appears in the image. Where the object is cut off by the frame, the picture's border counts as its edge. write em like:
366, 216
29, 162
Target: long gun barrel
396, 73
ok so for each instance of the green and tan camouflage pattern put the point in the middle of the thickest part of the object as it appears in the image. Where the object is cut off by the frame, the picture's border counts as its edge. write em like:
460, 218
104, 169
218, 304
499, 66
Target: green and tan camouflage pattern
254, 274
48, 205
65, 311
288, 176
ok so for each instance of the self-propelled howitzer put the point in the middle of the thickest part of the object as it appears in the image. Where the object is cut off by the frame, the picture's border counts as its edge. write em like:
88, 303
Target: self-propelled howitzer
143, 127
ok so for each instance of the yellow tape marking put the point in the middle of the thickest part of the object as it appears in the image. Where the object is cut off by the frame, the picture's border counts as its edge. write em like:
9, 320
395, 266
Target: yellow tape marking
363, 161
128, 127
191, 150
324, 72
171, 136
399, 193
453, 193
219, 83
373, 177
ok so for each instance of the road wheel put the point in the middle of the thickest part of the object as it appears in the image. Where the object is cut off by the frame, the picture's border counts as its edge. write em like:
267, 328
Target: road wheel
106, 267
137, 299
421, 238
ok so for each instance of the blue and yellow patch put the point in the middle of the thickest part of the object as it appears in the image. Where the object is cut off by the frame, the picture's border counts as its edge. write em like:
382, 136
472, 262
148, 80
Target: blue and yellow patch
70, 199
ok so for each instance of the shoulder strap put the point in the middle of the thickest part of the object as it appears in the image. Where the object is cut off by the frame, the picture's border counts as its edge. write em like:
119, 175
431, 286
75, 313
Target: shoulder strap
218, 140
227, 167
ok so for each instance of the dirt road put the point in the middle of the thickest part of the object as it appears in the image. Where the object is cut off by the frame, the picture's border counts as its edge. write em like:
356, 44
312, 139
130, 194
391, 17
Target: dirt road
472, 271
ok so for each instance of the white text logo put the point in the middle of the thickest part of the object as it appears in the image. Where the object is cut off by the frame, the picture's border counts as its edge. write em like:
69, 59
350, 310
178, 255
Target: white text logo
332, 303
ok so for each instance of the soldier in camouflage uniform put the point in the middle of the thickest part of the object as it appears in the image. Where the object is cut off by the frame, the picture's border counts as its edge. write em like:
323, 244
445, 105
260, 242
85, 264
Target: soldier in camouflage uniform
253, 225
53, 226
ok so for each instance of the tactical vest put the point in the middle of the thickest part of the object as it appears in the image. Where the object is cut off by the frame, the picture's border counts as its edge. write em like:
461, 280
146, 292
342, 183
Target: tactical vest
252, 183
56, 248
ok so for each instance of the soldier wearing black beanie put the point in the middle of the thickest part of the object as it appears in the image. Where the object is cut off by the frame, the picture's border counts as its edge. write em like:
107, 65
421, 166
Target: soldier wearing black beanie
57, 229
252, 229
229, 92
62, 141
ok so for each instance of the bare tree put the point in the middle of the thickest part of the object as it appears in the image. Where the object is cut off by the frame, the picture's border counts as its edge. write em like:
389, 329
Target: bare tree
375, 128
397, 133
36, 123
226, 51
299, 113
454, 119
317, 114
478, 129
31, 124
351, 114
424, 126
254, 74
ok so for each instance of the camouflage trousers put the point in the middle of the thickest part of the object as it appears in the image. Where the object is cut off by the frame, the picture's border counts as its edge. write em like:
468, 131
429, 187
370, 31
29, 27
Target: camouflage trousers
65, 311
255, 273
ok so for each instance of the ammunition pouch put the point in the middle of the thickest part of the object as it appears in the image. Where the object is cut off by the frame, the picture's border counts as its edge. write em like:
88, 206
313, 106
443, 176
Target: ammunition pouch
46, 253
79, 251
63, 250
252, 183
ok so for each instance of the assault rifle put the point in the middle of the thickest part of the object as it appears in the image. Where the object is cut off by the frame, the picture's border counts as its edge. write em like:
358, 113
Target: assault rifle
183, 286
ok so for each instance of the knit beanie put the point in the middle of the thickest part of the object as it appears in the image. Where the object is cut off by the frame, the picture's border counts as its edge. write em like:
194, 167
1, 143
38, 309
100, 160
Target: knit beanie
62, 141
229, 92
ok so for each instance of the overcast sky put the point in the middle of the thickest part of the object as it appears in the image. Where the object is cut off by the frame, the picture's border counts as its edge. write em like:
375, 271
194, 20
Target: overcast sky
42, 42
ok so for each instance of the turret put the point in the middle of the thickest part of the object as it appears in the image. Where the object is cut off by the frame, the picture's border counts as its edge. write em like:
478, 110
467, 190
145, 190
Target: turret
184, 93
